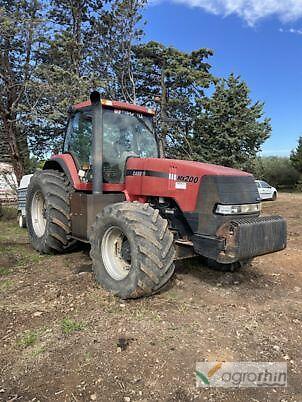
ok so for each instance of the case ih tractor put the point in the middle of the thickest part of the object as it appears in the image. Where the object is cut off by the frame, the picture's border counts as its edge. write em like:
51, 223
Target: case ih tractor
140, 212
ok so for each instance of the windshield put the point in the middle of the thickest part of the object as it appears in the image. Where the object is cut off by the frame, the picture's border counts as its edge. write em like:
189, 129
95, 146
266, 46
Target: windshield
128, 132
125, 134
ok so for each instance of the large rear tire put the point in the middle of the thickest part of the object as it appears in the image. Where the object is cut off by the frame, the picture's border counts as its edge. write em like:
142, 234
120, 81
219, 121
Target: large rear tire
132, 250
48, 212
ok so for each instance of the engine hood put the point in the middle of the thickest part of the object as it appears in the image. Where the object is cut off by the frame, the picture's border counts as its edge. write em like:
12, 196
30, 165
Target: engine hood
178, 179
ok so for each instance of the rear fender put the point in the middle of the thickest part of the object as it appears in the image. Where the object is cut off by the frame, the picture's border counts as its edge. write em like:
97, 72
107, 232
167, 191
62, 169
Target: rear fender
65, 163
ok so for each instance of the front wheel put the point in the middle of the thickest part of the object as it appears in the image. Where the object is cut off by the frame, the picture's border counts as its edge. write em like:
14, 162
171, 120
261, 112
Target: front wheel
274, 197
132, 250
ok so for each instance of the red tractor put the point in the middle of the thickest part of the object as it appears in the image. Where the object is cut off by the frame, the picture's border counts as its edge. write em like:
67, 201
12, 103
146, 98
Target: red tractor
140, 212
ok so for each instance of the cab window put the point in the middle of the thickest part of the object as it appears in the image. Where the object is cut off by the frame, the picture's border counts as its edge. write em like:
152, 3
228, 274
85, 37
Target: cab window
79, 137
125, 134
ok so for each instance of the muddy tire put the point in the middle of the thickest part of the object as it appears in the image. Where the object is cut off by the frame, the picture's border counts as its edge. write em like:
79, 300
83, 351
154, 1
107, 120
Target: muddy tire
132, 250
235, 266
48, 212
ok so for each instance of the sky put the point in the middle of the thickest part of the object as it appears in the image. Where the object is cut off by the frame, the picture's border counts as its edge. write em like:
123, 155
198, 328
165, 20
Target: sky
260, 40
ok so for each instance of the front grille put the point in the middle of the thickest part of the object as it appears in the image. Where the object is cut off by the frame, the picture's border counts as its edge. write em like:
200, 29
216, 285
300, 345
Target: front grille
215, 190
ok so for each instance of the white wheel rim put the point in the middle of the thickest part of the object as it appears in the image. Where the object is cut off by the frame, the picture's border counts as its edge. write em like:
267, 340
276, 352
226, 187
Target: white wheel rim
38, 213
20, 221
111, 248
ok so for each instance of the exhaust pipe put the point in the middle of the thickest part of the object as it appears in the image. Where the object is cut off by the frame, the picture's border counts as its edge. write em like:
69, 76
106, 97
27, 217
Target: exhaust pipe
97, 143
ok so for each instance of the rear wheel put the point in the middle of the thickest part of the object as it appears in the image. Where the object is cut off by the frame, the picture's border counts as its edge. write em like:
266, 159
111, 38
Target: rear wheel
132, 250
48, 211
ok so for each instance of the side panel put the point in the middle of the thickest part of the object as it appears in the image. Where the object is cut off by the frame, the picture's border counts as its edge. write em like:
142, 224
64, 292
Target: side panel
84, 209
163, 178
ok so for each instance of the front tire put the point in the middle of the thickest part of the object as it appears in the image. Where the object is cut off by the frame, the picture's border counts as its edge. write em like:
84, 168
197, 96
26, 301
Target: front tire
132, 250
48, 212
274, 196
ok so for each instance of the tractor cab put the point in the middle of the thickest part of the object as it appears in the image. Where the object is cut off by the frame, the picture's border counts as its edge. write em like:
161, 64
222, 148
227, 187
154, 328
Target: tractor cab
123, 131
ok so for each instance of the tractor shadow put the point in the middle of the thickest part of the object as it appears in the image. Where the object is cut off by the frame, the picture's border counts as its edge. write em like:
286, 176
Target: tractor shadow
196, 270
248, 278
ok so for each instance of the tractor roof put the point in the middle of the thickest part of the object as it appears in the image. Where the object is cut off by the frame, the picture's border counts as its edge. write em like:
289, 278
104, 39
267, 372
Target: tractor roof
117, 105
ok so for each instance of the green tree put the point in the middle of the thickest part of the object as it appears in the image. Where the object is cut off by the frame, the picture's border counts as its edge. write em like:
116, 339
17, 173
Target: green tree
20, 37
119, 29
296, 156
277, 171
89, 47
171, 81
230, 128
63, 76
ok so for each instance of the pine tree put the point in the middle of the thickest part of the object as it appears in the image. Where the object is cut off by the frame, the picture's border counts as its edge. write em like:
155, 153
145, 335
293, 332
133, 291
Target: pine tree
64, 76
296, 156
171, 81
89, 47
117, 31
230, 128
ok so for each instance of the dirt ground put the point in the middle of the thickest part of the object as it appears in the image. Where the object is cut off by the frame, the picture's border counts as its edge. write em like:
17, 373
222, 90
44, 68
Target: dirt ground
62, 338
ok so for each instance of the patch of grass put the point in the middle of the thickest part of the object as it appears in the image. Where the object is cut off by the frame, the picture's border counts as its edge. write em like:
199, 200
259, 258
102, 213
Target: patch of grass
172, 295
183, 307
140, 312
30, 256
20, 255
37, 351
10, 231
145, 313
5, 285
68, 326
4, 271
29, 338
156, 316
87, 356
8, 213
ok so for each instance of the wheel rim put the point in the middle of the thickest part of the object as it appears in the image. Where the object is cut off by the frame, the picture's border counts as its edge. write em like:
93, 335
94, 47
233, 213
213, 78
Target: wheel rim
38, 213
20, 221
116, 253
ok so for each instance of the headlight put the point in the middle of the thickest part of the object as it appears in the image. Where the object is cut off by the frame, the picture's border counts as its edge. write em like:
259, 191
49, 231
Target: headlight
237, 209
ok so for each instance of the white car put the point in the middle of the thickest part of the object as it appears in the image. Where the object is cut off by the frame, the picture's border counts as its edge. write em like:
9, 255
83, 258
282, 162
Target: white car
266, 191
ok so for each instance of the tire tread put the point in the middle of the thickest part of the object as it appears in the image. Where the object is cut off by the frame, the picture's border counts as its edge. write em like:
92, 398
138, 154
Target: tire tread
155, 243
